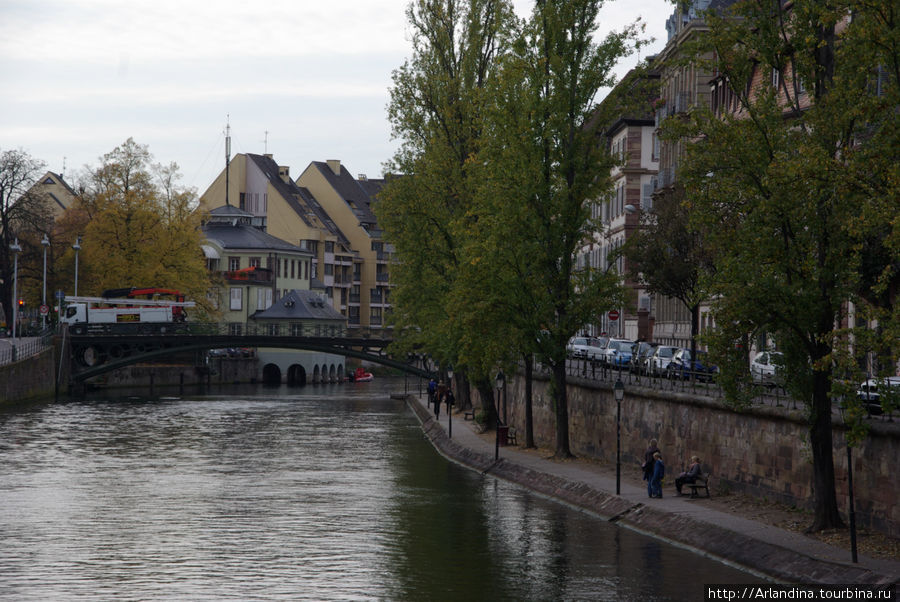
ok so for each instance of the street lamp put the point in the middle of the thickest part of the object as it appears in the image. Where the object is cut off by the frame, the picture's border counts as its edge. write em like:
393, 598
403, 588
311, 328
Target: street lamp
851, 511
45, 242
449, 397
500, 381
16, 248
77, 247
619, 393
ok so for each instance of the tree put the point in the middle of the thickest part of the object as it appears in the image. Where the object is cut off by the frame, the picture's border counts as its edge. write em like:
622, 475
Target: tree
140, 227
435, 110
787, 188
545, 165
22, 213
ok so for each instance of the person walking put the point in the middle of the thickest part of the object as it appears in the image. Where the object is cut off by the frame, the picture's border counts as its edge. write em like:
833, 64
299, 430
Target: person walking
654, 486
432, 389
438, 398
449, 399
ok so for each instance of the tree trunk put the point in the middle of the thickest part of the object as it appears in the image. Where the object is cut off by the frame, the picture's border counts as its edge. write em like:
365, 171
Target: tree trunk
826, 515
529, 419
489, 394
561, 400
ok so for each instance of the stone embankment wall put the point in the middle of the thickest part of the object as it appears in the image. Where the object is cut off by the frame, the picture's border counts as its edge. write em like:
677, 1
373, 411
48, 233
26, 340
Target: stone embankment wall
29, 378
763, 451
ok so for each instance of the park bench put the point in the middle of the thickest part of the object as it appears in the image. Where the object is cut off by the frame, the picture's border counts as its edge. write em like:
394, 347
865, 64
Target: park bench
702, 482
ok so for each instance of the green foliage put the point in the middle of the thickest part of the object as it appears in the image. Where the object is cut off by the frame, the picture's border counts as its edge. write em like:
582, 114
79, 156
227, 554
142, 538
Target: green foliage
792, 190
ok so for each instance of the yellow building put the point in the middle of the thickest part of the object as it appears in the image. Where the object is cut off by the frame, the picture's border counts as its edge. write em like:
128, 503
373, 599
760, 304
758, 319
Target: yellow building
326, 212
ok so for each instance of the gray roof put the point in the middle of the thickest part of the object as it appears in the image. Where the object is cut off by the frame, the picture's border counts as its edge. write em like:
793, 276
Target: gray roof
242, 236
300, 305
352, 190
298, 198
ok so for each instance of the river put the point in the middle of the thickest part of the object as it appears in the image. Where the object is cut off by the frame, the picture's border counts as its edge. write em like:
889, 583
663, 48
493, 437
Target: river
327, 492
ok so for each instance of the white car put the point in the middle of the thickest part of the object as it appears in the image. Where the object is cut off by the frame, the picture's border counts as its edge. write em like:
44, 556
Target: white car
658, 362
584, 348
766, 368
869, 395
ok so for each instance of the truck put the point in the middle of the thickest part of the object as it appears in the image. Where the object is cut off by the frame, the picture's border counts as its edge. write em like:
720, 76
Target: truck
102, 315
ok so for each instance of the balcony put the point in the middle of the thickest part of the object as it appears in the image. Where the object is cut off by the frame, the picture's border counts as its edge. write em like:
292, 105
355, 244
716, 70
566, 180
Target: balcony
382, 277
251, 275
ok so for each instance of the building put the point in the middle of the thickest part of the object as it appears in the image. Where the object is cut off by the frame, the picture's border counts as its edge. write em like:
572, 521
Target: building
631, 137
300, 313
327, 215
683, 86
348, 201
256, 267
265, 289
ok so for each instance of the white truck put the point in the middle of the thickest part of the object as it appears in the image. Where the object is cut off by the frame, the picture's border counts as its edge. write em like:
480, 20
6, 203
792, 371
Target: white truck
98, 315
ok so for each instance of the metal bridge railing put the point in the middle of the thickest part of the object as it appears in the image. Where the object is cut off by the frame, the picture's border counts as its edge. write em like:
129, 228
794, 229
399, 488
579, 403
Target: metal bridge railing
13, 350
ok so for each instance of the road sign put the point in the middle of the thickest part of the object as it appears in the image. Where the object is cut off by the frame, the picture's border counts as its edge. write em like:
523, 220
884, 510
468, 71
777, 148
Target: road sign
45, 309
613, 315
60, 295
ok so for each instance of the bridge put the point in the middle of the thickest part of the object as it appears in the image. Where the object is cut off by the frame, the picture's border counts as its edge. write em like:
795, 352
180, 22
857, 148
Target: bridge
103, 348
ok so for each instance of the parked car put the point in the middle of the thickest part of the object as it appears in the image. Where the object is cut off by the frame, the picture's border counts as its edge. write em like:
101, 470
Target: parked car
766, 368
659, 360
640, 351
617, 353
584, 348
681, 366
868, 392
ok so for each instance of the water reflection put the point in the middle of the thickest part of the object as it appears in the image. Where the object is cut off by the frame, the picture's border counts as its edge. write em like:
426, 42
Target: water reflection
333, 494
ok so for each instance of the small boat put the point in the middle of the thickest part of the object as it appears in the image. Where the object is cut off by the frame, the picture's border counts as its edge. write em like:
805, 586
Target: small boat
361, 376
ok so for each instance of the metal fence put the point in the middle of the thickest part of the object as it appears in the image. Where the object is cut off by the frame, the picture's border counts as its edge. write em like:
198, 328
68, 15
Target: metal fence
13, 350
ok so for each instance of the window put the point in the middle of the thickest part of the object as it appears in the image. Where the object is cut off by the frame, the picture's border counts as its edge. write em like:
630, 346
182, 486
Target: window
776, 78
293, 265
242, 204
306, 270
234, 264
273, 330
329, 246
255, 262
329, 269
655, 150
236, 299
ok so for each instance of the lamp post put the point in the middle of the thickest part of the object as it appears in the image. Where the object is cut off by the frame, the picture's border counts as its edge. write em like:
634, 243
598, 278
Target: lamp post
77, 247
16, 248
449, 397
851, 511
500, 381
45, 242
619, 393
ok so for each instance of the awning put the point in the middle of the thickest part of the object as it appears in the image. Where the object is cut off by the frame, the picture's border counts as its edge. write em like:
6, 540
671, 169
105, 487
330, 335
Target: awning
210, 252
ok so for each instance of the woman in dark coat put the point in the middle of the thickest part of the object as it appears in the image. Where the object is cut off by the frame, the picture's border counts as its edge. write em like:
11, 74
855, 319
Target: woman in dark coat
654, 487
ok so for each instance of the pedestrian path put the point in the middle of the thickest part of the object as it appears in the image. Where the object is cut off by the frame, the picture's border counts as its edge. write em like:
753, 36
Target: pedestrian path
763, 549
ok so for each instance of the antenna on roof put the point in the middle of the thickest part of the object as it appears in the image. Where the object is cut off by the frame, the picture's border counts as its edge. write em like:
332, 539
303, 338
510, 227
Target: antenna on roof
266, 143
63, 172
227, 153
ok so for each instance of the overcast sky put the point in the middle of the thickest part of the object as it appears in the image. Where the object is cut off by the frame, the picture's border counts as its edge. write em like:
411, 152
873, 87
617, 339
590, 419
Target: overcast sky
79, 77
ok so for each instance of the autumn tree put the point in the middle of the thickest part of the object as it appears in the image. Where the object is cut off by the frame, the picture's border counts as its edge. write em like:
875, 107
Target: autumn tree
140, 227
788, 187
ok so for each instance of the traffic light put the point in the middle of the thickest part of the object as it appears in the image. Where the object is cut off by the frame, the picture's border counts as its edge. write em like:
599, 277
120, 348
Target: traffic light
21, 304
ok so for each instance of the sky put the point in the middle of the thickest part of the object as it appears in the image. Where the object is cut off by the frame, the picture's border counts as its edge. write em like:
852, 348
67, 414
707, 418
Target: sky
304, 81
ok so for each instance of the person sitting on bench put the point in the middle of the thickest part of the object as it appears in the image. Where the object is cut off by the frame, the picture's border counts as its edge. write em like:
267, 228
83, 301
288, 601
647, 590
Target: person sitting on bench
690, 475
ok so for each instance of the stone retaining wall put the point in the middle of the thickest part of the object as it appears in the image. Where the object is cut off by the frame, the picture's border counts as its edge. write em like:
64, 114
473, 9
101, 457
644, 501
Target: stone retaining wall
763, 451
29, 378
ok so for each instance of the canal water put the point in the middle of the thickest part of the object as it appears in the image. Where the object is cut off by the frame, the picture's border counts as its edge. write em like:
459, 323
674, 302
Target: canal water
320, 493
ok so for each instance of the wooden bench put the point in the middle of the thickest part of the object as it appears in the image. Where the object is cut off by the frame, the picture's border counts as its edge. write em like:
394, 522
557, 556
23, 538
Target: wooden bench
702, 482
469, 414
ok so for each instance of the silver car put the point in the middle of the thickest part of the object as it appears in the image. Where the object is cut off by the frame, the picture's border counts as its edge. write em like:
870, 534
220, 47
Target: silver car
658, 362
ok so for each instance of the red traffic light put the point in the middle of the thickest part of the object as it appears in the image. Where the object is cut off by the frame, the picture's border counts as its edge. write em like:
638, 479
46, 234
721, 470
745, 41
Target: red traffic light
21, 302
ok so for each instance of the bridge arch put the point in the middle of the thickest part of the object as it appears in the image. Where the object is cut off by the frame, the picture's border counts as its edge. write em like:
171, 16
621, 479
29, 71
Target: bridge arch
296, 375
271, 374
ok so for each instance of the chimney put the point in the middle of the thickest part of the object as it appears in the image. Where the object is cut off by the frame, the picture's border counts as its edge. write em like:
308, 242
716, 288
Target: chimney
335, 165
362, 177
285, 172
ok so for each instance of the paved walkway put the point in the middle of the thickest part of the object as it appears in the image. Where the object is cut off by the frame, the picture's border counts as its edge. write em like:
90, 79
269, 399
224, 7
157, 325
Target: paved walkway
762, 549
